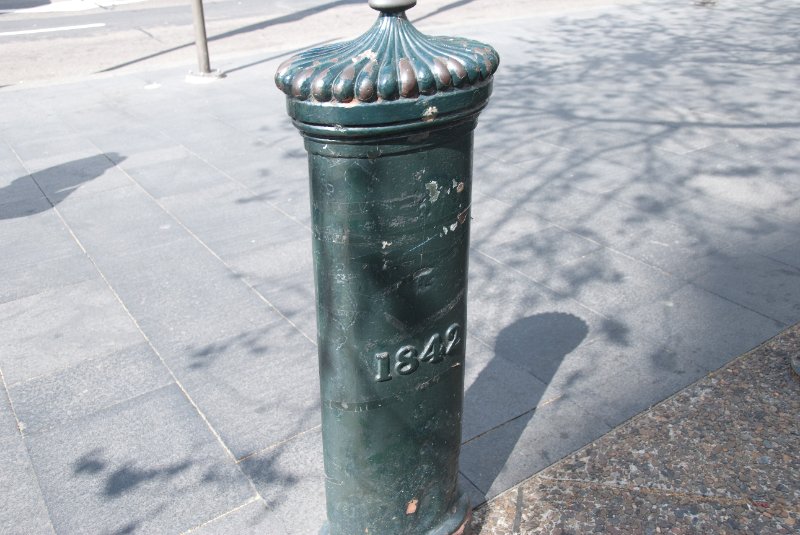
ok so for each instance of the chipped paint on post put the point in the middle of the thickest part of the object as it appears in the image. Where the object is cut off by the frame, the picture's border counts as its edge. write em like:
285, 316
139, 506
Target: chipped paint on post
433, 191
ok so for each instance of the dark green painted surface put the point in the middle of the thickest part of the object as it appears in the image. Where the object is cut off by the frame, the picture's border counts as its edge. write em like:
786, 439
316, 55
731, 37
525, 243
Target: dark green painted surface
391, 234
388, 121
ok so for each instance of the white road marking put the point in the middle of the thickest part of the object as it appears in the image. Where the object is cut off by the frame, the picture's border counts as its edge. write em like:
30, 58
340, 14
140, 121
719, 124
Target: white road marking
56, 29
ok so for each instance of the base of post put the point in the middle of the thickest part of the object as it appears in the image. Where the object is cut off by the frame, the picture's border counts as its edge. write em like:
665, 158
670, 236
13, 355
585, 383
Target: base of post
204, 77
462, 513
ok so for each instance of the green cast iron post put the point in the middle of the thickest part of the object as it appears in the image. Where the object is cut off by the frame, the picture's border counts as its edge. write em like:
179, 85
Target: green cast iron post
388, 120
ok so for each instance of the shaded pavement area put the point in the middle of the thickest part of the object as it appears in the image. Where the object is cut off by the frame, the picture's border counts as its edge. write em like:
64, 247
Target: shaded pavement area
635, 228
718, 457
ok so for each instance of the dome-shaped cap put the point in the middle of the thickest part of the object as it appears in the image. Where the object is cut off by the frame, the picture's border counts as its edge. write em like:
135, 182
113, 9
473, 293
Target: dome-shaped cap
391, 64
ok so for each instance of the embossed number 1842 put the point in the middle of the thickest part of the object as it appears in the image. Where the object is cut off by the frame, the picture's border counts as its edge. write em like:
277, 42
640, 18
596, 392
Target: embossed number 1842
407, 359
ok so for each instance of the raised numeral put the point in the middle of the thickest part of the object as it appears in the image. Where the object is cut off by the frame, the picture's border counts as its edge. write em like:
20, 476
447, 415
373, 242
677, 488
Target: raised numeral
383, 367
433, 350
407, 359
453, 337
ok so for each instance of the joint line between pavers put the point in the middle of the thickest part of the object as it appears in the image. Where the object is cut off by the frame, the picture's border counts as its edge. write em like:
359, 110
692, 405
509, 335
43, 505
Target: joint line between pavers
205, 245
517, 417
245, 504
215, 255
782, 324
539, 283
136, 323
278, 444
11, 403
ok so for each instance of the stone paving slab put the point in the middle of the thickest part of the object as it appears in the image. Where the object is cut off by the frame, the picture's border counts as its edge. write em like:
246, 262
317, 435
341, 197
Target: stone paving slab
718, 457
23, 510
117, 470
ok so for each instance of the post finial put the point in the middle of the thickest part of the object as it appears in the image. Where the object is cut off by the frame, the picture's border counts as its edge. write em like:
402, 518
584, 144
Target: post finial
392, 5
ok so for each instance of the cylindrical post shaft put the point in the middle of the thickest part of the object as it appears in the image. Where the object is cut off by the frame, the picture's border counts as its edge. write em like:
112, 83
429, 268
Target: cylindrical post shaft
200, 39
391, 235
387, 120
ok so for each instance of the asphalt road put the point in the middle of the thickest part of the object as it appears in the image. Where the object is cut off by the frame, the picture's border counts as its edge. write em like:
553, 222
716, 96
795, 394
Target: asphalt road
42, 42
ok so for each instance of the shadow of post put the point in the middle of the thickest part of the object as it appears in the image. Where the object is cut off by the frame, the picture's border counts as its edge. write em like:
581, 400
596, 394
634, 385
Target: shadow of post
535, 345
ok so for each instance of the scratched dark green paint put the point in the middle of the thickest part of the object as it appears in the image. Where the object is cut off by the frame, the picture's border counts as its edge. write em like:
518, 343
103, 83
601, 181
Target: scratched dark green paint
390, 200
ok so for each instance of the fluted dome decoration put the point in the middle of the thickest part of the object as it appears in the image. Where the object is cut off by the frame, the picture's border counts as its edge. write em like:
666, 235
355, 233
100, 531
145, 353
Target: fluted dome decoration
392, 61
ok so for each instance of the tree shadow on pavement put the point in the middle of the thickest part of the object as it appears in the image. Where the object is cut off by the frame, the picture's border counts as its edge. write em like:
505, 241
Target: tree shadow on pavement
654, 167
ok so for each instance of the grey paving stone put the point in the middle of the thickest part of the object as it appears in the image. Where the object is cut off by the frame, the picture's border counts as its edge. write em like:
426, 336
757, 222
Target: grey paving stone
495, 390
147, 465
680, 249
500, 298
39, 153
232, 219
295, 302
89, 386
181, 172
789, 254
720, 222
257, 388
252, 518
524, 148
31, 232
81, 178
162, 154
758, 283
291, 479
615, 383
699, 327
537, 254
745, 185
598, 138
8, 422
120, 221
10, 167
17, 282
277, 266
516, 183
610, 222
609, 282
23, 511
180, 294
472, 492
494, 221
19, 189
127, 137
288, 178
49, 331
513, 452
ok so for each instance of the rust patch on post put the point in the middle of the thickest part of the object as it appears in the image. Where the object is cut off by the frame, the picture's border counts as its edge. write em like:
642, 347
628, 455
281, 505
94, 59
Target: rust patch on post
463, 529
411, 507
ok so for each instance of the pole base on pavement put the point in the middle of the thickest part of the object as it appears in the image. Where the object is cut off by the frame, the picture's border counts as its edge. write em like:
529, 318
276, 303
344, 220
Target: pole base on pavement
462, 513
204, 77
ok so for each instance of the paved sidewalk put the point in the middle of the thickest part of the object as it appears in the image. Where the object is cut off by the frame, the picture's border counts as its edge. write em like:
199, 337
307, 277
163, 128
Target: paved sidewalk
718, 457
635, 228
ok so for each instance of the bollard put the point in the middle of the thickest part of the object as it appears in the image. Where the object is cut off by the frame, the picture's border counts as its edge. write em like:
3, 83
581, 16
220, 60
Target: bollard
387, 121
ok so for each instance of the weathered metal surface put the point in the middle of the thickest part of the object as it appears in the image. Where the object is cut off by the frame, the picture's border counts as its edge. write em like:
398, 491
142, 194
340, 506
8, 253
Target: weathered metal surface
390, 198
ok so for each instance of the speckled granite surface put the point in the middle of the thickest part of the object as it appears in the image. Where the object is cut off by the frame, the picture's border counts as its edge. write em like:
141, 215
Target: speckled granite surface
721, 456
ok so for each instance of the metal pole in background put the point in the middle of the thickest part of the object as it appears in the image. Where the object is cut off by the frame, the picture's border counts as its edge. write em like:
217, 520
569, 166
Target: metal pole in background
201, 43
